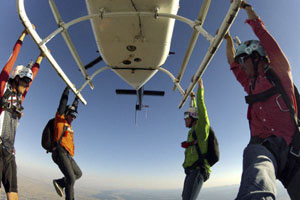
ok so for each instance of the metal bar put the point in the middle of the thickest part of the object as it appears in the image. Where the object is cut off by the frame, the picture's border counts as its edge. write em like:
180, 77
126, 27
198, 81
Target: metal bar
52, 35
69, 42
173, 79
203, 11
230, 17
55, 12
116, 14
66, 26
204, 33
91, 77
128, 14
36, 38
42, 43
200, 20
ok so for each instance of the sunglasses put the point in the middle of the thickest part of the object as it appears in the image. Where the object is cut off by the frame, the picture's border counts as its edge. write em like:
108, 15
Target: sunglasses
242, 59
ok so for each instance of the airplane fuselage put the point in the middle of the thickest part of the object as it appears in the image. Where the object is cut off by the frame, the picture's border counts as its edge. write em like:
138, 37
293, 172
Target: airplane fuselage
135, 46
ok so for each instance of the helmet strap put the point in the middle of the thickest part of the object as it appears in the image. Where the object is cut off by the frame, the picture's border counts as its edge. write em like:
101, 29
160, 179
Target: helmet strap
255, 68
192, 122
16, 83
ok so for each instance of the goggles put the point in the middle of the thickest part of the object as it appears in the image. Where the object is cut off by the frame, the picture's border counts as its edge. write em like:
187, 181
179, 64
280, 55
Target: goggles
73, 114
186, 115
25, 81
242, 59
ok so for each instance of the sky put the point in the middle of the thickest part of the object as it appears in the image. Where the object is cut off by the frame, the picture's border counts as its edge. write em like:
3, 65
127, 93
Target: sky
111, 150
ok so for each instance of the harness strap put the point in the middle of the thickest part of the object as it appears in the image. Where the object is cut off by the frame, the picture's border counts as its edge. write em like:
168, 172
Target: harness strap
200, 161
261, 97
14, 110
255, 68
62, 134
293, 161
5, 97
278, 88
272, 76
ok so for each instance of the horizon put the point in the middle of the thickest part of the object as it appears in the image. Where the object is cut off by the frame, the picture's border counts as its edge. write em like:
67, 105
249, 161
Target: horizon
112, 152
36, 189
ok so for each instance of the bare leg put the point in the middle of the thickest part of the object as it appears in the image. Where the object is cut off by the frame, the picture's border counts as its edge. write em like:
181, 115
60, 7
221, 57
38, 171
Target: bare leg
12, 196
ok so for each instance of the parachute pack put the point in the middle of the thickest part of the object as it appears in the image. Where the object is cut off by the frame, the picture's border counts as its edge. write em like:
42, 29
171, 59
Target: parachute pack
213, 152
47, 136
48, 142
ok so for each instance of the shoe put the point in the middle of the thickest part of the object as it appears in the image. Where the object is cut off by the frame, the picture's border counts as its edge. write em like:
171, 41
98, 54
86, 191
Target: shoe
58, 188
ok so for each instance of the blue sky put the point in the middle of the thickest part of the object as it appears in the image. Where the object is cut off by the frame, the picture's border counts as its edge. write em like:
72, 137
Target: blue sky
110, 149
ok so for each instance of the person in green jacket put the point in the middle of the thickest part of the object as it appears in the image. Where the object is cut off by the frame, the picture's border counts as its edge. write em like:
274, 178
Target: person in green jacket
197, 170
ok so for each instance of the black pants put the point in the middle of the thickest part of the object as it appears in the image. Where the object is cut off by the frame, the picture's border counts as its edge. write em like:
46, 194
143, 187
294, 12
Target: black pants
69, 168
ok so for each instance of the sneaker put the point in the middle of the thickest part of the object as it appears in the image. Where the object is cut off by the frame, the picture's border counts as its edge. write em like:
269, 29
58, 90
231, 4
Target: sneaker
58, 188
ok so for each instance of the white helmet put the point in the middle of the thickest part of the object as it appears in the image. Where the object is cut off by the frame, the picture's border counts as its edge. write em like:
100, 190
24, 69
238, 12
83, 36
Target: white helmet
191, 112
22, 72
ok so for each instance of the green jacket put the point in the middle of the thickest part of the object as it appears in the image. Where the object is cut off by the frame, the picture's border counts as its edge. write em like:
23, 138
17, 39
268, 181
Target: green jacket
202, 132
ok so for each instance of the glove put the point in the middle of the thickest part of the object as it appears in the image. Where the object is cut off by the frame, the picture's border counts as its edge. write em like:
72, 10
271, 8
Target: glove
185, 144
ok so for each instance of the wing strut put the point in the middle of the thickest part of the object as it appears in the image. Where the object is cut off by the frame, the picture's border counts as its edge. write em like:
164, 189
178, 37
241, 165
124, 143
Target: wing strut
200, 20
69, 42
215, 43
36, 38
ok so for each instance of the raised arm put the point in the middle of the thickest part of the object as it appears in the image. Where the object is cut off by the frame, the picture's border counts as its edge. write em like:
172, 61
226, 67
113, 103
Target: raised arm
4, 75
277, 58
230, 49
35, 68
202, 125
250, 12
63, 101
239, 74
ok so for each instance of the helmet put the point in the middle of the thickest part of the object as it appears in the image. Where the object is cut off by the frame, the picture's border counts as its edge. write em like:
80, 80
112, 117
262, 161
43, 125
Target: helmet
191, 112
71, 110
22, 72
248, 47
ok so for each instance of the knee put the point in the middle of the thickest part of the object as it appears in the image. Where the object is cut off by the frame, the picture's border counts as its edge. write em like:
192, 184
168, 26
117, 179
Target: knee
71, 180
79, 174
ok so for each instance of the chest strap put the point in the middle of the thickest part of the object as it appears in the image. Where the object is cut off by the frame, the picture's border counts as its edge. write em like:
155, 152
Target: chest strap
261, 97
16, 111
274, 79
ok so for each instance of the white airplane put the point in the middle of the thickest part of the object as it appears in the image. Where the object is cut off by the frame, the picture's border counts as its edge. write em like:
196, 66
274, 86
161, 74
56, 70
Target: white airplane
134, 38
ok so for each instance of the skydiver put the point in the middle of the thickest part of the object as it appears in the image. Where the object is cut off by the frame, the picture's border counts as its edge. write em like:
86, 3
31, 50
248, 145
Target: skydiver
267, 157
13, 89
196, 119
64, 152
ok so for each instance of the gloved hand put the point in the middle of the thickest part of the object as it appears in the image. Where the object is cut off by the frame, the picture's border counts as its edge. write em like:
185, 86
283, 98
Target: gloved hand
185, 144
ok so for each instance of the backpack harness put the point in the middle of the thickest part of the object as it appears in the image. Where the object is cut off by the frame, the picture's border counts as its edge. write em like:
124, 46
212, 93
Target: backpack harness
15, 110
48, 137
278, 89
212, 155
294, 150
